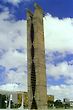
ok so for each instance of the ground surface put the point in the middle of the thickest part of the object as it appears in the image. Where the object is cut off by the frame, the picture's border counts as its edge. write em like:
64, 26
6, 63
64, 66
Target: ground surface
27, 109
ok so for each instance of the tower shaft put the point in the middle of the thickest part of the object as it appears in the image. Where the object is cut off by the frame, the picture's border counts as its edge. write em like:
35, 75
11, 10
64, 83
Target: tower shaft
37, 92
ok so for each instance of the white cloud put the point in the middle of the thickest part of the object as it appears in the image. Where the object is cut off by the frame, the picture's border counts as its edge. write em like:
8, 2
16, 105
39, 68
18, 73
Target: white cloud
62, 91
15, 77
15, 2
13, 59
59, 36
61, 69
58, 33
12, 88
13, 36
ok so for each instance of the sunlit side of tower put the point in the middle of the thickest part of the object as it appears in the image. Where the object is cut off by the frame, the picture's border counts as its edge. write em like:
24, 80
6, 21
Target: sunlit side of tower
37, 91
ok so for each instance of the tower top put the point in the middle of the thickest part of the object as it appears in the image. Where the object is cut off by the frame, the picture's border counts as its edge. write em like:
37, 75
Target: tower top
37, 6
29, 14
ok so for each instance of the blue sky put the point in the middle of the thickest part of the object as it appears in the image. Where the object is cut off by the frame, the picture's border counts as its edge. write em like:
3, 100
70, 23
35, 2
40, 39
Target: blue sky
58, 33
59, 8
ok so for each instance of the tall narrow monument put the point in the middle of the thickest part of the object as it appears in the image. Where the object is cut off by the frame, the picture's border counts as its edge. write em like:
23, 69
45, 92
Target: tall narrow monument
37, 92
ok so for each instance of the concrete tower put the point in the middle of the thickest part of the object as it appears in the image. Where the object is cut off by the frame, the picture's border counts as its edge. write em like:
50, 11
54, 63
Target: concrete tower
37, 92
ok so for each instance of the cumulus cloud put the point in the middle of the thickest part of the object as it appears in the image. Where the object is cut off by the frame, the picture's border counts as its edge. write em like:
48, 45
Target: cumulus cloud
15, 77
61, 91
12, 88
58, 44
13, 59
62, 69
13, 35
58, 33
15, 2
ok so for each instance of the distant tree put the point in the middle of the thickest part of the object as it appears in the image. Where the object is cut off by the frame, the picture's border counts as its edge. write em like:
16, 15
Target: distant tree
17, 105
67, 105
3, 104
0, 101
50, 104
58, 104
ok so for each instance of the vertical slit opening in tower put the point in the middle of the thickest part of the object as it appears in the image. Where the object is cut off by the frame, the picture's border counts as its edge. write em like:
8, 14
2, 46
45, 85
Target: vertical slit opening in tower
34, 104
33, 78
32, 52
32, 33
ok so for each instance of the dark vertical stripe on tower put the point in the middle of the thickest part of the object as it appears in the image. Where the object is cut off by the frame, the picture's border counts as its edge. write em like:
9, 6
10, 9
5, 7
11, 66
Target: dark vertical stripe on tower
33, 78
32, 52
32, 32
33, 74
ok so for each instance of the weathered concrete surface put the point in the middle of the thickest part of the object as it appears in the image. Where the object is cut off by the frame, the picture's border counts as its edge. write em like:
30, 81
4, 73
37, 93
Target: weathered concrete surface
36, 80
